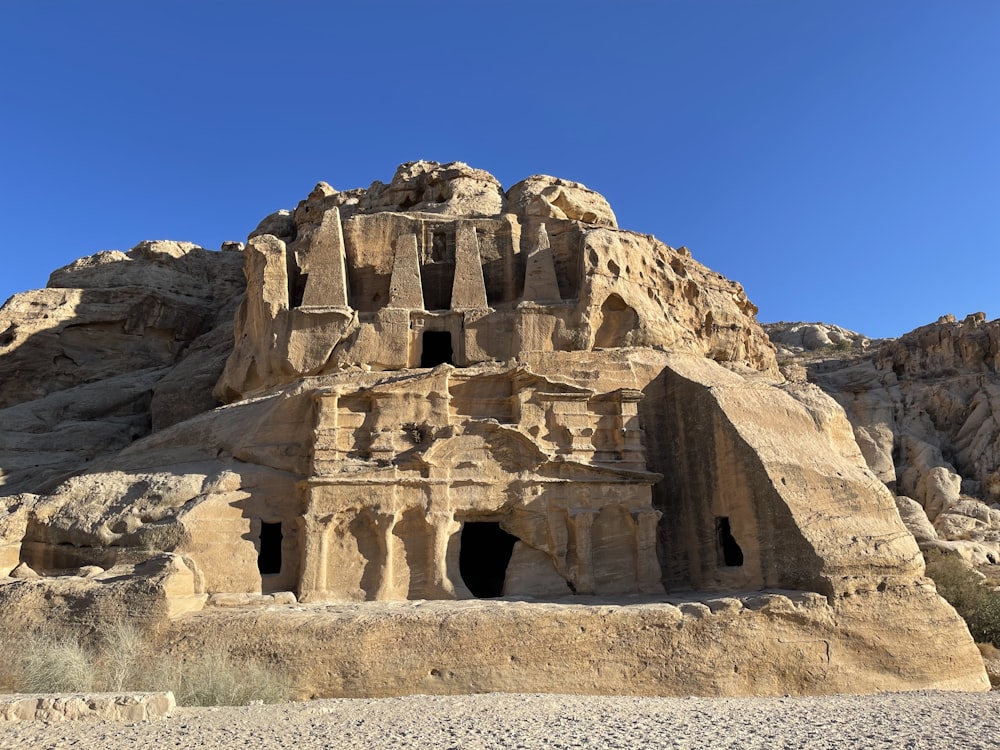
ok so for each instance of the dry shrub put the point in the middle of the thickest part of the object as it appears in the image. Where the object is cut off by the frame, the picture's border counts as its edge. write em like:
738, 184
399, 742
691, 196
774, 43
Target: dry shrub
217, 678
119, 657
55, 664
123, 653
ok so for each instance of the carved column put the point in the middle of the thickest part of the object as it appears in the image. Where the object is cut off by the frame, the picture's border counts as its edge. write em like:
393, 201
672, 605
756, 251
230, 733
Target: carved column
384, 524
325, 264
313, 585
444, 526
540, 281
404, 284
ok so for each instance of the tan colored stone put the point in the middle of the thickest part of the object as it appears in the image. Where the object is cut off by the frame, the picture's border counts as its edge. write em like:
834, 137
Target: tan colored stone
545, 197
127, 707
626, 647
922, 408
433, 400
561, 285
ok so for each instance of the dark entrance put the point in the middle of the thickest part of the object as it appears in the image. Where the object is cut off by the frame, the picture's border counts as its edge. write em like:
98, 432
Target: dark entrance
729, 551
483, 559
436, 349
269, 557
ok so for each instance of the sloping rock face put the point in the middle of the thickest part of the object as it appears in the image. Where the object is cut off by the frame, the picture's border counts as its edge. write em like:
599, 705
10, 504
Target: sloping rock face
923, 411
117, 345
440, 391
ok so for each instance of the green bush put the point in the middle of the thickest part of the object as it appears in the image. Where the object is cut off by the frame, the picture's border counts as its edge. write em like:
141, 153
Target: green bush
984, 624
963, 589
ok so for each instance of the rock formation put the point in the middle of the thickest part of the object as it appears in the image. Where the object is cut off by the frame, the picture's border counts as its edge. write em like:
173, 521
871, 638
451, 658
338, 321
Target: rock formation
436, 390
922, 408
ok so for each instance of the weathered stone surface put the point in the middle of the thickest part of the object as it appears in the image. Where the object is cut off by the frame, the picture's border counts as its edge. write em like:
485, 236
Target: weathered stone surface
544, 197
130, 707
626, 647
103, 355
550, 283
437, 395
797, 339
922, 408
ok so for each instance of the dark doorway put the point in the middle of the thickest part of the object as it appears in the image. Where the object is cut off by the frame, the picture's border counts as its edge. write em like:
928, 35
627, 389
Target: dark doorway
483, 558
728, 550
436, 349
269, 558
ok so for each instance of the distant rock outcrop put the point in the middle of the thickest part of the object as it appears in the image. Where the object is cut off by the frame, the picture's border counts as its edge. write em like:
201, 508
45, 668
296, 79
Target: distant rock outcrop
923, 408
434, 391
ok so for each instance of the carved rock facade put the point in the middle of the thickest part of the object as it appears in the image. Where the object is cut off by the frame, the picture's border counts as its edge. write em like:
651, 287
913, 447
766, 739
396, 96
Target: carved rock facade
442, 391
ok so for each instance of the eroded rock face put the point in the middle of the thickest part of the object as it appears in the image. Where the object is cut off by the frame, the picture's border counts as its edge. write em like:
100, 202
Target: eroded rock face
544, 197
368, 279
439, 392
922, 407
118, 344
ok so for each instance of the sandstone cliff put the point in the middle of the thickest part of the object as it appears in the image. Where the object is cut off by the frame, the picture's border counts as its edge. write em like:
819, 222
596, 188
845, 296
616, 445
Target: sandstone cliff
436, 389
922, 408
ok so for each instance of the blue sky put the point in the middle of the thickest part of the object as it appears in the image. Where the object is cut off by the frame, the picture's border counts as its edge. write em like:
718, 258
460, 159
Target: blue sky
840, 159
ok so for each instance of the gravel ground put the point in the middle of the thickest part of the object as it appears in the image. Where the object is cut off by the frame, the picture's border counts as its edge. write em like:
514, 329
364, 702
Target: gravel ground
902, 720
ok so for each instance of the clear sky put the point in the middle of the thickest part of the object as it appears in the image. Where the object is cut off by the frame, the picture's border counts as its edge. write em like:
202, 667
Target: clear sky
841, 159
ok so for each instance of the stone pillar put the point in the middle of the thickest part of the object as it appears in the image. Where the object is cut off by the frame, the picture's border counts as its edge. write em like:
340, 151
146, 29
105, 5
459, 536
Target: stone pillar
632, 449
647, 567
326, 455
313, 584
540, 282
581, 527
325, 260
468, 290
444, 526
384, 525
404, 284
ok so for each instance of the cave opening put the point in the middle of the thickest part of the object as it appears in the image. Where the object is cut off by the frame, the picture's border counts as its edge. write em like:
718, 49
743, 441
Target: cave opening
269, 557
483, 558
729, 552
436, 349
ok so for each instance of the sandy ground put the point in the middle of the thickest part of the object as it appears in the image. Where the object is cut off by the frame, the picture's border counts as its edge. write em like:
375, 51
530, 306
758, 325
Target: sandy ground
902, 720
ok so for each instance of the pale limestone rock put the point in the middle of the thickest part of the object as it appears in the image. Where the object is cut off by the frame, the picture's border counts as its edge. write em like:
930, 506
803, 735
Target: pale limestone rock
23, 571
619, 648
454, 189
915, 519
281, 224
793, 339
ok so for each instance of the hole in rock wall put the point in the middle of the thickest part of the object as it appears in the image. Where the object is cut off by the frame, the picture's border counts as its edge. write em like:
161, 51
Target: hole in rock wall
727, 549
618, 320
436, 349
269, 557
484, 556
437, 273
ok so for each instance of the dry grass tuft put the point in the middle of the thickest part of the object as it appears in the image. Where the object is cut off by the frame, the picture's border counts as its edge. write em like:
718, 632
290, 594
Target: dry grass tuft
120, 657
